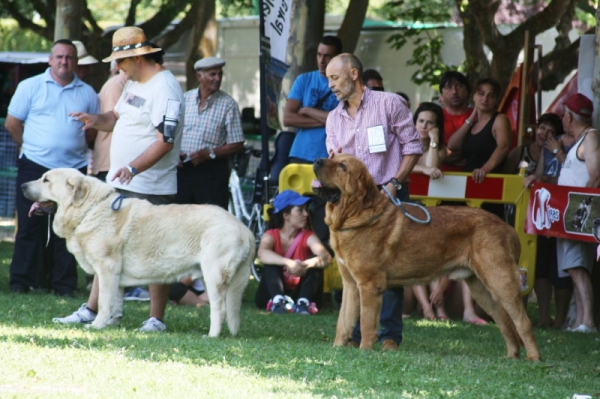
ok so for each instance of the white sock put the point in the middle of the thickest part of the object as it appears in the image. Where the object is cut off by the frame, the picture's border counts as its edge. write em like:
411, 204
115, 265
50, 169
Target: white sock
278, 298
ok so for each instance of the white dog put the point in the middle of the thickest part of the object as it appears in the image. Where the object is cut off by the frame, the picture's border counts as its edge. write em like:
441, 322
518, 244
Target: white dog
128, 242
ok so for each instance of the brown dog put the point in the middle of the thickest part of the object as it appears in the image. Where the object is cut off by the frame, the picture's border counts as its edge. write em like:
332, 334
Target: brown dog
377, 247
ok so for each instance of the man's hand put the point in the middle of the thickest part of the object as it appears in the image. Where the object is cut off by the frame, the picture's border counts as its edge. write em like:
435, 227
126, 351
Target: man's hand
123, 175
332, 153
391, 188
182, 156
89, 121
199, 156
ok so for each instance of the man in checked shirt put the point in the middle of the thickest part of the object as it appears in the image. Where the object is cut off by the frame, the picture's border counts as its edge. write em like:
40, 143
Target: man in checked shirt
377, 127
212, 133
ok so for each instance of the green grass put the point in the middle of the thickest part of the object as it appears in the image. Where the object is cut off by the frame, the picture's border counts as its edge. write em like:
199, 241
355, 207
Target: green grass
274, 356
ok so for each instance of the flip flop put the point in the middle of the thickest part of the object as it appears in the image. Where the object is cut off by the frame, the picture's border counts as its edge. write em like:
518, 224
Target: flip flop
477, 321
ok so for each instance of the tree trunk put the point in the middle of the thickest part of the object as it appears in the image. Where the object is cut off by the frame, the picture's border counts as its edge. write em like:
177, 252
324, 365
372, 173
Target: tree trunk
351, 26
477, 64
204, 40
308, 23
68, 19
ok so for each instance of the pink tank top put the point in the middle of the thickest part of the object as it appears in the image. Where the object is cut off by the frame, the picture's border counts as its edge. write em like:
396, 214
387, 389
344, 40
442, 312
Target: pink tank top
302, 251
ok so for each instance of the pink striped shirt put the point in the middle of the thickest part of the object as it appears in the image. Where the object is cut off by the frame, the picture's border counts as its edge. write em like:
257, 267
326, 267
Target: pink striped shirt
376, 108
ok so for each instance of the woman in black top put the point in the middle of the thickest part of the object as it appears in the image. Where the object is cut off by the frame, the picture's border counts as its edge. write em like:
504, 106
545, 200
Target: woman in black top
485, 137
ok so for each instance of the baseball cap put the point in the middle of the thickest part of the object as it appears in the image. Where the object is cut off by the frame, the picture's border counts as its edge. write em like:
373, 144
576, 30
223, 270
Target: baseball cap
580, 105
208, 63
287, 198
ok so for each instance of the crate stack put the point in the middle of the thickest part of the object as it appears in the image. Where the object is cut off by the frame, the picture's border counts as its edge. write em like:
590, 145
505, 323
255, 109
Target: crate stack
9, 153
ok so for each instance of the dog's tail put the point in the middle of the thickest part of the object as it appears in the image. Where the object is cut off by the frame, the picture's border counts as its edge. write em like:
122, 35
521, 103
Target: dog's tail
235, 291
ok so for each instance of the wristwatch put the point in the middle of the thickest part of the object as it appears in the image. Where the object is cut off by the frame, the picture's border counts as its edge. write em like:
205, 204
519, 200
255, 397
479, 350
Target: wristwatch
433, 144
396, 183
556, 150
132, 170
212, 154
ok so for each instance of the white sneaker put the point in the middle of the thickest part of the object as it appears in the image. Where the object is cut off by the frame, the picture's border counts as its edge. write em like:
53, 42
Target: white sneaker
152, 325
82, 315
584, 329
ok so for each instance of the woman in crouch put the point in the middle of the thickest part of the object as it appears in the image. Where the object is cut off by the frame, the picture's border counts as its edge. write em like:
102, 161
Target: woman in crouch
293, 258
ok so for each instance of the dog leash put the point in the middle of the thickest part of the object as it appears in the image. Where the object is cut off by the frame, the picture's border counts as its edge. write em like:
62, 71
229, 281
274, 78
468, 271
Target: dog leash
116, 204
398, 203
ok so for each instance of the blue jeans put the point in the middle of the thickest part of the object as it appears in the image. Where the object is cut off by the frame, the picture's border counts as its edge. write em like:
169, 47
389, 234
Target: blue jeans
390, 320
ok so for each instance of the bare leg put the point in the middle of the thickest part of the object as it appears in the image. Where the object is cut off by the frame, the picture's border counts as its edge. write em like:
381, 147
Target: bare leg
583, 291
562, 298
469, 314
421, 294
440, 308
92, 303
543, 291
195, 300
159, 294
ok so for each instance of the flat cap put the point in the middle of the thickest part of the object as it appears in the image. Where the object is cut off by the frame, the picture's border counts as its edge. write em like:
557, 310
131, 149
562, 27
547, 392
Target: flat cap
208, 63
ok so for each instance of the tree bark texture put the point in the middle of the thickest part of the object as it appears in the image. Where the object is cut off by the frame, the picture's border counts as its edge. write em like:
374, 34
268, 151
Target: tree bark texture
351, 25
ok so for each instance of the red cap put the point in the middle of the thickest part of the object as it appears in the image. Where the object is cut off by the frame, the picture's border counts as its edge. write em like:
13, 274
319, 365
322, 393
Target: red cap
580, 105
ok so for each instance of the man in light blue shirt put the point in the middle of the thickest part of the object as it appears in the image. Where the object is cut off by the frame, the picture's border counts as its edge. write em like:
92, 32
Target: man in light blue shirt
38, 120
309, 103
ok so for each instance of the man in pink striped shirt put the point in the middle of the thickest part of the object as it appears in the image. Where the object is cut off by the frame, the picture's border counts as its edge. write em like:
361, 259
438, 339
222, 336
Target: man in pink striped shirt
376, 127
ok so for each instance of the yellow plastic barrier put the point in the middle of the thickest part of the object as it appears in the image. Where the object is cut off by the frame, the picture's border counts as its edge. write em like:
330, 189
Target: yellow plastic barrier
455, 186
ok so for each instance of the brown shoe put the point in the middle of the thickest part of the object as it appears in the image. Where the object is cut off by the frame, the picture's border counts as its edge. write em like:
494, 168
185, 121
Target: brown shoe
389, 345
353, 344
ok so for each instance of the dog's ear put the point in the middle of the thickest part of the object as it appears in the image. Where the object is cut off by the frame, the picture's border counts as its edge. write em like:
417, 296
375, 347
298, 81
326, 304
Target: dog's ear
80, 189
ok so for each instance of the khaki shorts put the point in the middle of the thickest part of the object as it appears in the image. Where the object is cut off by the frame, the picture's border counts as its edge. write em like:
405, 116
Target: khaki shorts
571, 254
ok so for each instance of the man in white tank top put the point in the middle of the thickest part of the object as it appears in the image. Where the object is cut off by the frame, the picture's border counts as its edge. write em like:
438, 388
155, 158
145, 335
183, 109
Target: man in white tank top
581, 169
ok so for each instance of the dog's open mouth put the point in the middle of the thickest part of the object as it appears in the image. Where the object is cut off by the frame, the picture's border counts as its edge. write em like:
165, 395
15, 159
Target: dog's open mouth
41, 208
330, 194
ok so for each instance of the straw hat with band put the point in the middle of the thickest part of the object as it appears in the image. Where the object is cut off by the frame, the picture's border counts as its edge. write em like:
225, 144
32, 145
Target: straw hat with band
130, 41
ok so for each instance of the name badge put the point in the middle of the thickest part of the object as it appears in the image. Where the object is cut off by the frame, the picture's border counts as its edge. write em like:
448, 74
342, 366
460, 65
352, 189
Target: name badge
376, 139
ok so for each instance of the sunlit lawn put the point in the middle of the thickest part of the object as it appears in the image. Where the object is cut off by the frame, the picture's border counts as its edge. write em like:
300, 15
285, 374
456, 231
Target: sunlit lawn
274, 356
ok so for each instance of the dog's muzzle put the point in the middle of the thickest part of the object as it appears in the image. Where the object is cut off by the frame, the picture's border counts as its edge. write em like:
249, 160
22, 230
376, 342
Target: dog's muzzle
328, 194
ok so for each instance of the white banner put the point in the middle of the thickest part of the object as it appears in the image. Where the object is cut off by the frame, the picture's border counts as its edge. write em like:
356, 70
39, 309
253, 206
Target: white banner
277, 16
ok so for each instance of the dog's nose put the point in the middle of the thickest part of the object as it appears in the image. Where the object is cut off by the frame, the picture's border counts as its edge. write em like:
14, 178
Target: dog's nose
23, 186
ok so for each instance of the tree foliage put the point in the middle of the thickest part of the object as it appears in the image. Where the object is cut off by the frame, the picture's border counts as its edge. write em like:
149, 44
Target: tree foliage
102, 17
480, 20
